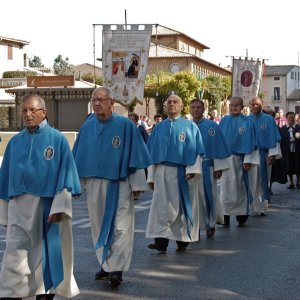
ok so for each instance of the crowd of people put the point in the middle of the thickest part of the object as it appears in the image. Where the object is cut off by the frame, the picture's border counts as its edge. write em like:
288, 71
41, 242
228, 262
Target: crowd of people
113, 160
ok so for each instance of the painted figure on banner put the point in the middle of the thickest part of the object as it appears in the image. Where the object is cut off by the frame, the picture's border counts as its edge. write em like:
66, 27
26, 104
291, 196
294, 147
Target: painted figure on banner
118, 70
133, 67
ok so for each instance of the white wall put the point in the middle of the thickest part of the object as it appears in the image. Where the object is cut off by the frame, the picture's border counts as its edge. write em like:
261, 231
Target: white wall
15, 64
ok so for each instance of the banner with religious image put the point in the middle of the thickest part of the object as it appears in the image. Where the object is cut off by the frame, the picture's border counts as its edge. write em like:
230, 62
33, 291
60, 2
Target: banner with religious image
246, 78
124, 61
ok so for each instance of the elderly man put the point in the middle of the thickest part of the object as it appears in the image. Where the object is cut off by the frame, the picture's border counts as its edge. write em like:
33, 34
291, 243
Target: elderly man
268, 143
37, 177
111, 156
239, 135
214, 162
176, 147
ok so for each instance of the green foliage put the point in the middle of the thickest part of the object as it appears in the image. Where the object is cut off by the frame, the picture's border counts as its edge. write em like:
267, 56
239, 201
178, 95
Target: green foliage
18, 74
61, 66
35, 61
184, 84
215, 90
89, 77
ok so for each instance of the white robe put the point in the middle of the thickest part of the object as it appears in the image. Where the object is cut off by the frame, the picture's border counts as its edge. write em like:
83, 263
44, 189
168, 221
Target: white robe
260, 205
205, 220
119, 256
233, 194
22, 273
165, 218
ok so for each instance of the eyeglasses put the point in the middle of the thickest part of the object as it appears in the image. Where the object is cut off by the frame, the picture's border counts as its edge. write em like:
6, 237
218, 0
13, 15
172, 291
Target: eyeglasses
100, 100
30, 110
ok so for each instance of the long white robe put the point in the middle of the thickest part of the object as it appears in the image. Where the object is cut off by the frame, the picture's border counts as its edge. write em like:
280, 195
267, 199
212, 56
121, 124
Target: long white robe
209, 221
119, 256
233, 193
260, 205
165, 218
22, 273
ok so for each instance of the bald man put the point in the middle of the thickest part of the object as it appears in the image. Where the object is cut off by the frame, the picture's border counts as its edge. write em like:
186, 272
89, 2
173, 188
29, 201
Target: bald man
175, 146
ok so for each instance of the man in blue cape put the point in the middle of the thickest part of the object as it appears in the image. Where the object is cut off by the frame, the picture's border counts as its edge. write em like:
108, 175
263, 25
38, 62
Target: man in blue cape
268, 144
111, 156
175, 146
235, 194
213, 163
37, 179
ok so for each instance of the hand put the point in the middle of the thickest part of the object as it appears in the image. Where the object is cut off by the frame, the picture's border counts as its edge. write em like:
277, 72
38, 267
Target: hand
218, 174
151, 185
271, 159
189, 176
246, 166
55, 218
135, 194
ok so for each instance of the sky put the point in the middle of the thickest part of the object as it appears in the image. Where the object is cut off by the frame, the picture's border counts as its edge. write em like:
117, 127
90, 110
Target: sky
257, 28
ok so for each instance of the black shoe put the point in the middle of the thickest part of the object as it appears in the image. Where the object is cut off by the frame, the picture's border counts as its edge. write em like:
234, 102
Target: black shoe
158, 248
263, 214
241, 219
44, 297
115, 278
181, 246
291, 186
101, 275
181, 249
7, 298
210, 232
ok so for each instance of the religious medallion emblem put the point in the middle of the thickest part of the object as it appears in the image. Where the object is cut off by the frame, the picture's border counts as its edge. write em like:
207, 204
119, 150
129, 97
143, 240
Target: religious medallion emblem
49, 153
242, 130
181, 137
211, 132
116, 141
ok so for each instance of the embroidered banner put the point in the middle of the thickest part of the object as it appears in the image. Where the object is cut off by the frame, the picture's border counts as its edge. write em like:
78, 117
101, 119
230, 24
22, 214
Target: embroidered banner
124, 61
246, 78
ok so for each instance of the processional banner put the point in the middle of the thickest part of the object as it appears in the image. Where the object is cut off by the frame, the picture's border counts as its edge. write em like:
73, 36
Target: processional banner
124, 61
246, 78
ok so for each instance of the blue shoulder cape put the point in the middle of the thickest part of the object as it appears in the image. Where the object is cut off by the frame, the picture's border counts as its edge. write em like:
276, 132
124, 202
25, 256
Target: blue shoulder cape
38, 163
239, 134
175, 141
112, 150
213, 139
266, 131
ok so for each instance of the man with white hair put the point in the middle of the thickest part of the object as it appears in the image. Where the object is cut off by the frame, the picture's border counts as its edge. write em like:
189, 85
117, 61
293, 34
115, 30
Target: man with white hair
175, 146
111, 156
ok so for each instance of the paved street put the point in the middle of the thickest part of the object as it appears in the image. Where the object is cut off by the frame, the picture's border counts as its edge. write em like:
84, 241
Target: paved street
259, 261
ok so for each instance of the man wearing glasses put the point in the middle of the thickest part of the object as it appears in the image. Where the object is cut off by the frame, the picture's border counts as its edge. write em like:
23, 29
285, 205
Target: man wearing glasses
37, 177
111, 156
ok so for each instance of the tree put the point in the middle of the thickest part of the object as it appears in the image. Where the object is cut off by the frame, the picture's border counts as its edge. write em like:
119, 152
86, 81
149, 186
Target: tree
89, 77
62, 66
184, 84
216, 89
35, 61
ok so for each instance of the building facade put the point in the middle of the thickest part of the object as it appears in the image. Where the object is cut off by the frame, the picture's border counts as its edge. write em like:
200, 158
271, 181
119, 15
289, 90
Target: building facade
12, 54
281, 87
173, 51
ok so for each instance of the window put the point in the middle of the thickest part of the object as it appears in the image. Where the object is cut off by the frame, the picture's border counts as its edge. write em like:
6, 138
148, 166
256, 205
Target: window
9, 52
276, 109
292, 75
174, 68
297, 109
276, 78
276, 93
